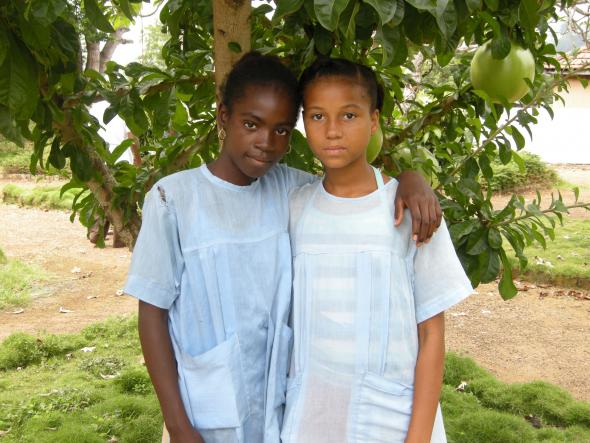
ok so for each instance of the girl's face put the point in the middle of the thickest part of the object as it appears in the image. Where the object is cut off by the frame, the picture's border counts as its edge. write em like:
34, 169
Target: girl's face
258, 130
338, 120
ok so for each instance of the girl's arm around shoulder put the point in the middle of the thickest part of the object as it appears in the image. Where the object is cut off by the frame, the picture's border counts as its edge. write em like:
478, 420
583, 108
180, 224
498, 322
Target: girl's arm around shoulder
428, 378
415, 194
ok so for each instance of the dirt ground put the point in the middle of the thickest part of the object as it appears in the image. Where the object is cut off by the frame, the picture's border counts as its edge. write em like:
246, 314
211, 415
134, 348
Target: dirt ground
542, 334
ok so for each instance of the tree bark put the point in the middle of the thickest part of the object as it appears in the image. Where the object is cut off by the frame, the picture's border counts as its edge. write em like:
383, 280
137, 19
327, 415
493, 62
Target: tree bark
92, 55
231, 24
108, 50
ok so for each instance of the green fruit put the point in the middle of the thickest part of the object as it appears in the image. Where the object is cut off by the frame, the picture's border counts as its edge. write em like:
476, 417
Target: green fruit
375, 145
502, 79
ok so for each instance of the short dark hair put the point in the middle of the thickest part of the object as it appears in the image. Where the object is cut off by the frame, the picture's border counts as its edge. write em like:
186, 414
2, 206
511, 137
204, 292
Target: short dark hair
255, 69
340, 67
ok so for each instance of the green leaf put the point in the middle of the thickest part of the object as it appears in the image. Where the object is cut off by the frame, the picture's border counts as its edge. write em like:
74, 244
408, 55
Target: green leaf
120, 150
347, 24
4, 45
56, 157
127, 10
328, 12
500, 46
7, 127
385, 8
460, 230
285, 7
518, 138
489, 266
494, 238
528, 15
478, 242
473, 5
80, 164
492, 4
506, 285
427, 5
97, 17
446, 17
323, 40
180, 118
519, 161
393, 42
19, 89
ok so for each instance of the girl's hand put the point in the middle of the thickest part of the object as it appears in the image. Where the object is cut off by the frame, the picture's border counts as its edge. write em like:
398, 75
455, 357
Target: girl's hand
416, 194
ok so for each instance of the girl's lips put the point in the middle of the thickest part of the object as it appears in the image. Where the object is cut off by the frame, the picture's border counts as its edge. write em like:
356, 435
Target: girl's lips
259, 160
334, 149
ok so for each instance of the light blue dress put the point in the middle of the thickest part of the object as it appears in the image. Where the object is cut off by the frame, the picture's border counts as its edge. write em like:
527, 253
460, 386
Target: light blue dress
218, 257
360, 288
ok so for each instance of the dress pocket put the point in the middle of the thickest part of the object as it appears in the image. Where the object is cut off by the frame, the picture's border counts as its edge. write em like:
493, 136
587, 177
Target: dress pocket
212, 386
380, 410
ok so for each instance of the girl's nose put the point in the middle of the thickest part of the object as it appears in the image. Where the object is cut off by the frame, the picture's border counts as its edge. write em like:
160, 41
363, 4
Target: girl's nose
333, 130
264, 141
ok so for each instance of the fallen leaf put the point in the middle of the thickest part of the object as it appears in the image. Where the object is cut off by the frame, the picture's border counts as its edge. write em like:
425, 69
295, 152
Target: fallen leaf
119, 292
88, 349
108, 377
3, 433
76, 270
461, 387
559, 257
64, 310
17, 311
90, 297
458, 314
486, 312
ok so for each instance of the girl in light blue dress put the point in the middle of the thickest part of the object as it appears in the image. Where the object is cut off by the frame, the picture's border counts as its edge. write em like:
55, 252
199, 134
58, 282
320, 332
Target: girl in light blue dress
368, 305
212, 269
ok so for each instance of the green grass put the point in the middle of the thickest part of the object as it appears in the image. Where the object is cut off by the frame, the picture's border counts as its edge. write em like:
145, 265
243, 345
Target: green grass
569, 255
63, 394
44, 197
17, 281
16, 160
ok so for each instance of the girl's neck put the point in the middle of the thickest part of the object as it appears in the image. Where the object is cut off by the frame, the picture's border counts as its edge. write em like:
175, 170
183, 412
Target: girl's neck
354, 180
224, 168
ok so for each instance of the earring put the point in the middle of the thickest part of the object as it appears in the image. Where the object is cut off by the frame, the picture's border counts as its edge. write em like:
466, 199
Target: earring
289, 150
221, 135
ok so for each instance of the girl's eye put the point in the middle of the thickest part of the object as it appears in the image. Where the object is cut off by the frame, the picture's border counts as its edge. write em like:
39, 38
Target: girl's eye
282, 131
349, 116
249, 125
317, 117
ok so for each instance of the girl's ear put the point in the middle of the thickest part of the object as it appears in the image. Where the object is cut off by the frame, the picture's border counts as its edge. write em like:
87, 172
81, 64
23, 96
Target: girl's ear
374, 120
222, 115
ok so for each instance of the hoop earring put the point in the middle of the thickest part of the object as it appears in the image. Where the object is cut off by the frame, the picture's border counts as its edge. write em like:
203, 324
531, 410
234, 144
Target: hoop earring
289, 150
221, 134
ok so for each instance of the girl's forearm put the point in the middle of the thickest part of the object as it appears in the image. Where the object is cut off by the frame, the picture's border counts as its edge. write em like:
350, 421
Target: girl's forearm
161, 365
428, 379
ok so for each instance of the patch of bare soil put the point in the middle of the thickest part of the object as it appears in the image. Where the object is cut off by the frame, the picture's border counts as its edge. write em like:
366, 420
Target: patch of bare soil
541, 334
82, 279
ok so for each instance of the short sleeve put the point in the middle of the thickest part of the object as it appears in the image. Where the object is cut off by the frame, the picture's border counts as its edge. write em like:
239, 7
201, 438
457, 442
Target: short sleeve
157, 263
439, 279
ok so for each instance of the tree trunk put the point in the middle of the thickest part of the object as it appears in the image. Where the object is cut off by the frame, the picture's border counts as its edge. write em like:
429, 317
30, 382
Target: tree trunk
231, 24
92, 55
108, 50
